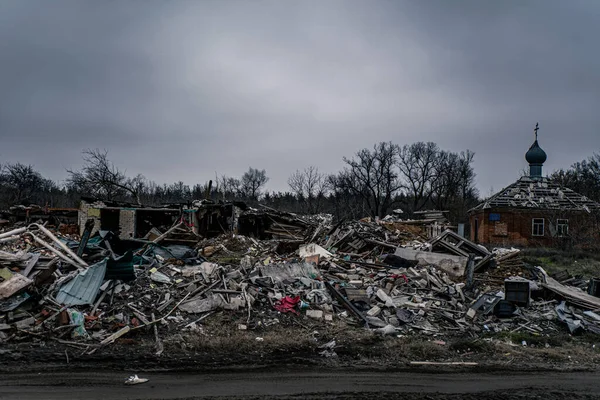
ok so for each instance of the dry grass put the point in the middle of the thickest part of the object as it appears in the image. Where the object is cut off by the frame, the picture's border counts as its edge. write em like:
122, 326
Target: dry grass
220, 335
577, 262
479, 346
219, 339
557, 340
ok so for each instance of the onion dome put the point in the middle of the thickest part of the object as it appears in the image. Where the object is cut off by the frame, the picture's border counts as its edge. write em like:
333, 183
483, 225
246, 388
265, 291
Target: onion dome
535, 155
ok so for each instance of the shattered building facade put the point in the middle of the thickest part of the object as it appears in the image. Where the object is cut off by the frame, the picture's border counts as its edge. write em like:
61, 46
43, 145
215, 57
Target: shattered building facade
65, 219
536, 211
127, 221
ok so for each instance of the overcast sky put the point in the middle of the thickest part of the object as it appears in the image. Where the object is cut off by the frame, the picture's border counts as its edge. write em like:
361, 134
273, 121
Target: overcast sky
179, 90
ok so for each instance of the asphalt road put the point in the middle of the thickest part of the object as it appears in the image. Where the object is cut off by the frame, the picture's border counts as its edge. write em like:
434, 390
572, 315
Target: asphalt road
297, 385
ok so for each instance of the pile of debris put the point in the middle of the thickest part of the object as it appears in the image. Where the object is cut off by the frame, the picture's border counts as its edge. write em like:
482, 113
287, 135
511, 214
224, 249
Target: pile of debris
62, 219
361, 238
379, 275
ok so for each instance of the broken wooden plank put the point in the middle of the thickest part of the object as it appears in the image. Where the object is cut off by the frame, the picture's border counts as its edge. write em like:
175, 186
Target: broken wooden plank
572, 295
30, 264
116, 335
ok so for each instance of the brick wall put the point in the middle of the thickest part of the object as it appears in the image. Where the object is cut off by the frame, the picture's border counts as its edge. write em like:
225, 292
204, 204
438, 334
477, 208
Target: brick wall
126, 224
509, 227
89, 211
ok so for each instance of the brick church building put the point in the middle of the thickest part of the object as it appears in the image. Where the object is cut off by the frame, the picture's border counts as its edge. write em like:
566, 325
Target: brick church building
536, 211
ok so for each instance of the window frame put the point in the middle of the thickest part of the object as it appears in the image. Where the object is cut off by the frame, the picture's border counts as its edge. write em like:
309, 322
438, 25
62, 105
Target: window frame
535, 224
566, 227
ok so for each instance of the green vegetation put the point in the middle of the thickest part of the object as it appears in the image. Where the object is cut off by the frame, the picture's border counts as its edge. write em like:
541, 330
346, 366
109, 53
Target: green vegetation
576, 262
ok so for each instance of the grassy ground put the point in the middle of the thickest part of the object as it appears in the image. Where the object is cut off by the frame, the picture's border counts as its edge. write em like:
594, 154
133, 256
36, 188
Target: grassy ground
577, 262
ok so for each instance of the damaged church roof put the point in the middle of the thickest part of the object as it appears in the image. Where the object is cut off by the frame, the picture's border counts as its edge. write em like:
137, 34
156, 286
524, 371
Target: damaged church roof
540, 193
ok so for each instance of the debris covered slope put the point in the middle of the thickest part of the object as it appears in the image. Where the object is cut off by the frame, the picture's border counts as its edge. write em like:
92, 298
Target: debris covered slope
92, 292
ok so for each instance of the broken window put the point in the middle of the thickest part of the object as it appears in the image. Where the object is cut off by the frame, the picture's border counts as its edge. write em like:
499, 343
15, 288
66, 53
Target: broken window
537, 228
562, 227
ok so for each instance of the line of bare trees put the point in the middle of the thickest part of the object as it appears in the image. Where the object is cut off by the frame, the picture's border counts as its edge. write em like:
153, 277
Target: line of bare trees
101, 179
372, 183
22, 184
414, 177
582, 177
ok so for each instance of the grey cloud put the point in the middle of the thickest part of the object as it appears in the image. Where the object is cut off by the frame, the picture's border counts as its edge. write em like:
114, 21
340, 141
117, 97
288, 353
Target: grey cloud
181, 89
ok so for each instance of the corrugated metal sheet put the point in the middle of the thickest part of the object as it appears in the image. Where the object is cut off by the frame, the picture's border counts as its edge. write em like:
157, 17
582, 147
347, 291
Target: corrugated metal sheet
121, 269
84, 288
13, 302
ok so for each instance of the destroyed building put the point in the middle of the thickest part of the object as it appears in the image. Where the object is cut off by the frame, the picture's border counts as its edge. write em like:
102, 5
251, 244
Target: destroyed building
273, 224
128, 221
433, 222
384, 276
64, 219
535, 211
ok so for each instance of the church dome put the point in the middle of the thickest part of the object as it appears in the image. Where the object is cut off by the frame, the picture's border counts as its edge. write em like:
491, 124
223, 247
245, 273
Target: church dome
535, 154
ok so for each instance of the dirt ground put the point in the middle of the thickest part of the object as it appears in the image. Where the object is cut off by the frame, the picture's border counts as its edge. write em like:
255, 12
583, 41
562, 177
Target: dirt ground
287, 361
225, 348
221, 361
299, 383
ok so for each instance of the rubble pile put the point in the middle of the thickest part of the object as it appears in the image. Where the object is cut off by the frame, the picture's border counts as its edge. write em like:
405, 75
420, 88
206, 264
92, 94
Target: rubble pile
362, 237
380, 275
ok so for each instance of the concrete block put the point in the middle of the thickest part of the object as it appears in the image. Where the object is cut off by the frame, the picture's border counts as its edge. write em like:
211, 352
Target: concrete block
315, 314
453, 265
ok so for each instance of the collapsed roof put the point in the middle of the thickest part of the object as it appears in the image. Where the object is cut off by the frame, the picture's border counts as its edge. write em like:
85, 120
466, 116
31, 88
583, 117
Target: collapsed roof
540, 193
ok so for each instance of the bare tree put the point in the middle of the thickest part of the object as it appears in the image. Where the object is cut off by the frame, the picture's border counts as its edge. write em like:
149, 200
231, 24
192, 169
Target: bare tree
582, 177
446, 187
150, 193
372, 175
179, 192
100, 178
419, 167
346, 202
228, 187
137, 185
252, 183
467, 175
455, 179
310, 187
22, 182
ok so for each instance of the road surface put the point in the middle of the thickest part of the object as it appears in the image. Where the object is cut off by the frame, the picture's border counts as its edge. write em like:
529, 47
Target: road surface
299, 385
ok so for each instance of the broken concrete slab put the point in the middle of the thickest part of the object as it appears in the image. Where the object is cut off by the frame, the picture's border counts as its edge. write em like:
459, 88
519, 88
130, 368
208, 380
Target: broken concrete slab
314, 314
312, 250
202, 305
290, 271
160, 277
453, 265
373, 312
16, 283
24, 323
